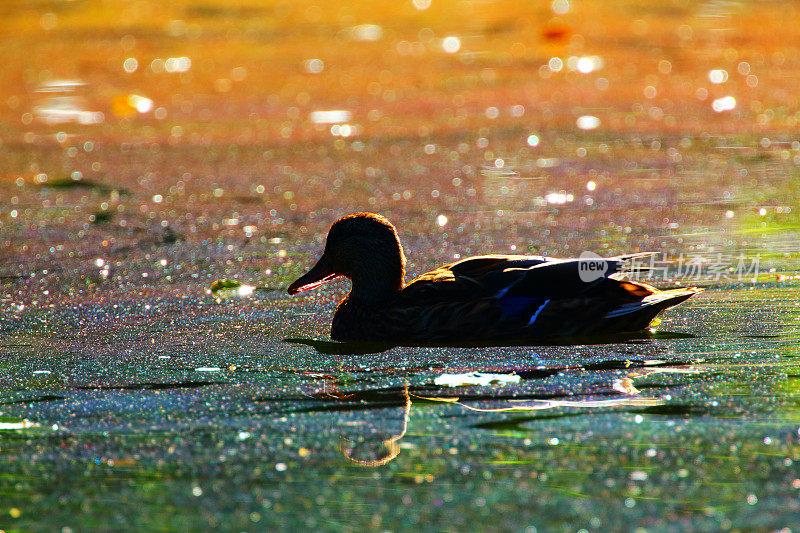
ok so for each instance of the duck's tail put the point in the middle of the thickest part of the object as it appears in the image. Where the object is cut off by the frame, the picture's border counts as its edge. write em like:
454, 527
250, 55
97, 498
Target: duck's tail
634, 316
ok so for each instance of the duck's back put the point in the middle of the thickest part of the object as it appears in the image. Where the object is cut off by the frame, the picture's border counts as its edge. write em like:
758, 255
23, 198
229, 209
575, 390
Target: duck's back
471, 278
505, 297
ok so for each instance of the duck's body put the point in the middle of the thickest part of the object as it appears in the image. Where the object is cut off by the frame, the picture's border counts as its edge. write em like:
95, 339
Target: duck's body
491, 298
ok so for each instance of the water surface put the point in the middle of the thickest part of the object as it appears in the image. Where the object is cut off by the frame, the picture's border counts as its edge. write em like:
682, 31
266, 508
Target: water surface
150, 150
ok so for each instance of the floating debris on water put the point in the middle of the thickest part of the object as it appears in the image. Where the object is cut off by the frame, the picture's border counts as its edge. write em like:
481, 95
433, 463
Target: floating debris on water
223, 289
475, 378
625, 386
22, 424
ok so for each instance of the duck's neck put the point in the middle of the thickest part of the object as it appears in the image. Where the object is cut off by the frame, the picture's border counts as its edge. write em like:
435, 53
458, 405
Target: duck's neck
378, 279
374, 289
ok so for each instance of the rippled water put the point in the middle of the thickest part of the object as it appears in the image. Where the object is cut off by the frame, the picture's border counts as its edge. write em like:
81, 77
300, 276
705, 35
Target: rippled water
192, 413
149, 152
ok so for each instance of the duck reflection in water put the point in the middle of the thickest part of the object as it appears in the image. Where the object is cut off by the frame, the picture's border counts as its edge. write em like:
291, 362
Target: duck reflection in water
372, 437
379, 448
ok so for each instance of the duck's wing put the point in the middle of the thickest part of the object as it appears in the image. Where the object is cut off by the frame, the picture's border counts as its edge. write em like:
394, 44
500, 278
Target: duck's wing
471, 278
568, 278
462, 300
501, 276
585, 296
506, 296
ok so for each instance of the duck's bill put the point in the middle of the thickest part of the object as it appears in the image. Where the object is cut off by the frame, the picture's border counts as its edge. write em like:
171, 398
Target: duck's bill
319, 274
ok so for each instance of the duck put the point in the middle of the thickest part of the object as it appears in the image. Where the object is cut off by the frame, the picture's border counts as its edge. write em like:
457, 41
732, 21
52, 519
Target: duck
485, 298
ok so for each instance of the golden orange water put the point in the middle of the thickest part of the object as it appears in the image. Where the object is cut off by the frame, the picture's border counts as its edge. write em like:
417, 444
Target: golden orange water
680, 116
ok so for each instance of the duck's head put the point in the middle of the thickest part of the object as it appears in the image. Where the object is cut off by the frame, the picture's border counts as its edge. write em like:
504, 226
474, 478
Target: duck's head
365, 248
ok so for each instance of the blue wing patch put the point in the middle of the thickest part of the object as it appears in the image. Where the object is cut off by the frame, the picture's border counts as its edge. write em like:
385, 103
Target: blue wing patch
536, 314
